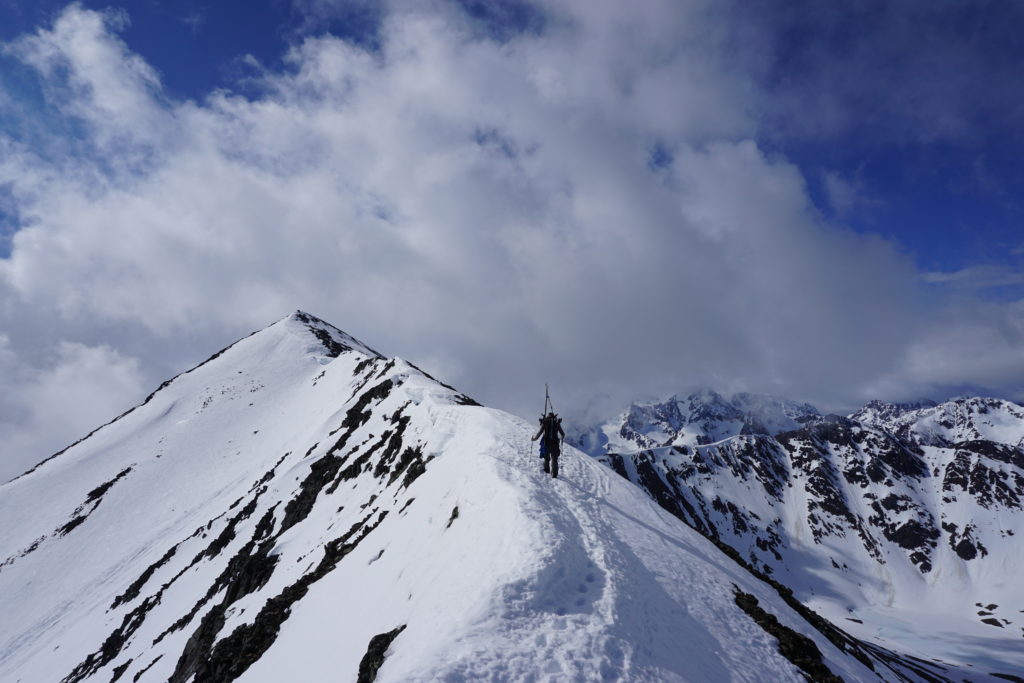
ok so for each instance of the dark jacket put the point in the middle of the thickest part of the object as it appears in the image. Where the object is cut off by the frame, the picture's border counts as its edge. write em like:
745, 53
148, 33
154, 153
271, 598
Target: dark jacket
551, 430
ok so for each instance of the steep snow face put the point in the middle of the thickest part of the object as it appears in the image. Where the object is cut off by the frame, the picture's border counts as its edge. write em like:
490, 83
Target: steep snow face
301, 508
907, 518
696, 419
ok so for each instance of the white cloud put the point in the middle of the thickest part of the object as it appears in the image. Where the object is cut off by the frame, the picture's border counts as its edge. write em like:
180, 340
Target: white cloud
845, 195
485, 208
96, 78
43, 409
970, 348
977, 277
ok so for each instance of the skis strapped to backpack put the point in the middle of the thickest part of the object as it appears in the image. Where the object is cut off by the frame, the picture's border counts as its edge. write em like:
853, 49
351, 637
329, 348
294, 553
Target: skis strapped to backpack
549, 420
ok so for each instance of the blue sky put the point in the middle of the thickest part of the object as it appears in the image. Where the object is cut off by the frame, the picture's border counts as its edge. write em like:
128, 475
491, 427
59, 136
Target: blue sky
951, 200
196, 45
815, 200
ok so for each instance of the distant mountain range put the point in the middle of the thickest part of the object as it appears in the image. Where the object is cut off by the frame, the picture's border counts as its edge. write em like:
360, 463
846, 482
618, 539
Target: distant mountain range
904, 520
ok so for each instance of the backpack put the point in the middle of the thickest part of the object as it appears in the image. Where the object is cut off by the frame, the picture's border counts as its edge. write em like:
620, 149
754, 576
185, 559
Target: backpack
551, 425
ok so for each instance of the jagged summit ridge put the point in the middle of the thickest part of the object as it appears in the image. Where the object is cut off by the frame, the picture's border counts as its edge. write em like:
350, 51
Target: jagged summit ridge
333, 340
952, 422
697, 418
881, 412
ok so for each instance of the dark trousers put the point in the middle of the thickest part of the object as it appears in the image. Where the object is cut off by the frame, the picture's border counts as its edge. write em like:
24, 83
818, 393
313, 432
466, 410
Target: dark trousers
551, 460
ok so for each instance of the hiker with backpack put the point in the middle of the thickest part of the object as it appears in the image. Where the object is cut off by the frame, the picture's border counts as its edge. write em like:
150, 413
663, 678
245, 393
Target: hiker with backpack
550, 435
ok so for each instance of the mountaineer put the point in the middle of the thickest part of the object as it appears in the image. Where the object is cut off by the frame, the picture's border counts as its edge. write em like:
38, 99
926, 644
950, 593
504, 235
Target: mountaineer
550, 435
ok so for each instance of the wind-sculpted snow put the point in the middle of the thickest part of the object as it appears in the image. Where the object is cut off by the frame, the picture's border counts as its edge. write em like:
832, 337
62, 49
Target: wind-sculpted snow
301, 508
902, 519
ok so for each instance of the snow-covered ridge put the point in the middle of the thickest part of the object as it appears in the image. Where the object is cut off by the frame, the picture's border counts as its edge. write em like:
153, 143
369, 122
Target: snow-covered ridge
952, 422
906, 518
306, 509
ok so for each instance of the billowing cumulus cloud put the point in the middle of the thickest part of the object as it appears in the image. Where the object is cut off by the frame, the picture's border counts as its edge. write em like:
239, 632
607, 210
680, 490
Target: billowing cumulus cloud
583, 202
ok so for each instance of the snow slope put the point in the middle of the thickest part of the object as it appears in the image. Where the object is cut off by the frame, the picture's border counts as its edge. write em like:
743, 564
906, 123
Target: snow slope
905, 520
301, 508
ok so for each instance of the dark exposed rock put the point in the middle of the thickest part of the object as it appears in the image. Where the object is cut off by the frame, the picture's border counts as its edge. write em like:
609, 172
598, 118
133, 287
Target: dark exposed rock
135, 587
92, 501
670, 498
362, 365
988, 483
230, 657
617, 463
142, 671
794, 646
333, 347
410, 462
324, 471
964, 545
228, 533
1009, 677
912, 535
417, 466
71, 525
321, 473
995, 451
247, 571
31, 548
321, 330
119, 671
100, 490
394, 445
375, 652
357, 415
113, 644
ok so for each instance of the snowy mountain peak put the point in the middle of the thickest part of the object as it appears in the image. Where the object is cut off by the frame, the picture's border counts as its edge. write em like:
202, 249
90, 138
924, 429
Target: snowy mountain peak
881, 412
299, 507
333, 340
697, 418
949, 423
286, 342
